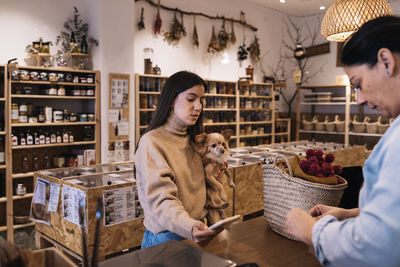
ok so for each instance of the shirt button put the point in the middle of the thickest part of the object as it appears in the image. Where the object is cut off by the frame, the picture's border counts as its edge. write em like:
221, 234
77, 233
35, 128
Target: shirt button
356, 238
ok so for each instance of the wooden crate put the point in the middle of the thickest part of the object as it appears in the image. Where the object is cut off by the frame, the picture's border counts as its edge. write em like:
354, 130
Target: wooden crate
113, 238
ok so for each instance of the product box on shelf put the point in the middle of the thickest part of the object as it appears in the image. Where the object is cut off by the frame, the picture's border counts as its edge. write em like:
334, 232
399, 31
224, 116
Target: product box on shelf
56, 212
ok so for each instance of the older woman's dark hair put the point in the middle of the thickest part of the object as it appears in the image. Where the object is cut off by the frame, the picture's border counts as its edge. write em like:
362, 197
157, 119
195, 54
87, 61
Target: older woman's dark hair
363, 46
176, 84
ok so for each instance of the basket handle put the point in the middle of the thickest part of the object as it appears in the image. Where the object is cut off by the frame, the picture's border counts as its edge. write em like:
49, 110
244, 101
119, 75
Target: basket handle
279, 156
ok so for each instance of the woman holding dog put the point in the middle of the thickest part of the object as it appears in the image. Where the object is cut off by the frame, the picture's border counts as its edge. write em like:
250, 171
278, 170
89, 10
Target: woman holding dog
368, 235
169, 172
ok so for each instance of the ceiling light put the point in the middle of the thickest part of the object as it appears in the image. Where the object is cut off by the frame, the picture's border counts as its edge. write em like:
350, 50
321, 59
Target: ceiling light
322, 7
346, 16
282, 1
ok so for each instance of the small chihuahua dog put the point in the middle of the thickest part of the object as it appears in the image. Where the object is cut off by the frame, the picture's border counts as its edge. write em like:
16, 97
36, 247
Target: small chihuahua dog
214, 149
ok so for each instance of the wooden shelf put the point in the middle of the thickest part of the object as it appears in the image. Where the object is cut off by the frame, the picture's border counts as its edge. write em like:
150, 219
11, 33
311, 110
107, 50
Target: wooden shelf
53, 97
2, 133
52, 124
149, 93
282, 119
365, 134
219, 109
58, 83
29, 195
25, 225
321, 132
3, 199
322, 86
323, 103
2, 99
219, 123
254, 122
23, 175
220, 95
66, 69
78, 55
55, 145
3, 166
3, 228
147, 109
255, 109
282, 133
259, 97
255, 135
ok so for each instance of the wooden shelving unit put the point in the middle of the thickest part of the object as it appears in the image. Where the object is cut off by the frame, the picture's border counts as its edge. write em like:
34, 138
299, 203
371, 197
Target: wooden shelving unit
14, 153
345, 108
222, 109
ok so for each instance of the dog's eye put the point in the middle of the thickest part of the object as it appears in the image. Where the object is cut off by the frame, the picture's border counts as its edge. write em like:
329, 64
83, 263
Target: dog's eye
213, 145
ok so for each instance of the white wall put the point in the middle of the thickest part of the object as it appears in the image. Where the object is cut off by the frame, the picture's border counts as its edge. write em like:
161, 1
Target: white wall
185, 57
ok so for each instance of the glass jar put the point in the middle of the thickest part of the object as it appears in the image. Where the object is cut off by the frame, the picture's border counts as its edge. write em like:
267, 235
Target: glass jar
53, 77
90, 92
82, 79
75, 79
66, 115
58, 115
24, 75
52, 91
83, 92
73, 117
14, 112
41, 117
90, 78
27, 90
83, 117
15, 75
48, 114
76, 92
68, 77
90, 117
19, 90
34, 76
43, 76
61, 91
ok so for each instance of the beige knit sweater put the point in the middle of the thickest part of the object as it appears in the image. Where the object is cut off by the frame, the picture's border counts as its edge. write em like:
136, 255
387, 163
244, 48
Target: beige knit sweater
170, 180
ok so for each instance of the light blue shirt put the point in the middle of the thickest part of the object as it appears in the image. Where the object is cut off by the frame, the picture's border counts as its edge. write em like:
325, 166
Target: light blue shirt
373, 237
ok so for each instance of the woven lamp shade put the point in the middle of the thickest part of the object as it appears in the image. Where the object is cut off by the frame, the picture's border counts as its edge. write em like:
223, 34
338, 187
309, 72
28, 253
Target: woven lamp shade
346, 16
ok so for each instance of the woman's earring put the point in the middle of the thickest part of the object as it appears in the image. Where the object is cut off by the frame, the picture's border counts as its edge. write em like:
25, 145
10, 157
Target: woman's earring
388, 72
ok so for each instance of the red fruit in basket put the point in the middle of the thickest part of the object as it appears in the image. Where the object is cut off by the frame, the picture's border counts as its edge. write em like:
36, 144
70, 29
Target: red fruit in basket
319, 175
327, 170
309, 153
337, 169
305, 166
314, 169
329, 158
313, 159
319, 154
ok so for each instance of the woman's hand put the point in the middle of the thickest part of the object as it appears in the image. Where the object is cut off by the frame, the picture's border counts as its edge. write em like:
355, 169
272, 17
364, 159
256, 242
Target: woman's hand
202, 235
299, 224
321, 210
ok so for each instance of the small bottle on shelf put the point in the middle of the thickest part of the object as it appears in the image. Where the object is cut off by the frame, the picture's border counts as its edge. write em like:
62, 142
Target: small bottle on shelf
65, 136
36, 138
53, 137
35, 163
71, 137
59, 137
14, 140
47, 138
47, 164
29, 138
25, 165
42, 138
22, 139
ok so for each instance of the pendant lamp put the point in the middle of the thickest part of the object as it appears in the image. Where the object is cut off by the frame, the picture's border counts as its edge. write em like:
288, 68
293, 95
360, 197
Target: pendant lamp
346, 16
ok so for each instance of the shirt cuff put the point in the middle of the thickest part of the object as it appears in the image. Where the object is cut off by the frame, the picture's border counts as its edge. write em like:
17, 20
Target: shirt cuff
318, 243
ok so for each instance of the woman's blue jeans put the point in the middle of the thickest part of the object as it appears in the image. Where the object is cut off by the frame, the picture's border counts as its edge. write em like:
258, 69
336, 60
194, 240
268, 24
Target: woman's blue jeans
151, 239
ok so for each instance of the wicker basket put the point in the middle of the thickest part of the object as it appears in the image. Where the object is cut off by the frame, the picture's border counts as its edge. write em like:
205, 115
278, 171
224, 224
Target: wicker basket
329, 125
339, 124
282, 192
372, 127
382, 127
309, 125
358, 127
320, 125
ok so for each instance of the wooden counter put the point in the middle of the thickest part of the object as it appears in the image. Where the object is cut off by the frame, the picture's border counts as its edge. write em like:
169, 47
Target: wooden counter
254, 241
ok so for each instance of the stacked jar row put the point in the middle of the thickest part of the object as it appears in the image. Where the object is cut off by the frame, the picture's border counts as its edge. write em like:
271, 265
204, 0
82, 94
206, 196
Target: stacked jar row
151, 84
149, 101
24, 112
221, 116
255, 103
255, 129
256, 90
54, 90
255, 116
221, 88
220, 102
26, 75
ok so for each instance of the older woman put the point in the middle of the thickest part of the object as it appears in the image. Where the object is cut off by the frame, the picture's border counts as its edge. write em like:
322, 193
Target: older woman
370, 234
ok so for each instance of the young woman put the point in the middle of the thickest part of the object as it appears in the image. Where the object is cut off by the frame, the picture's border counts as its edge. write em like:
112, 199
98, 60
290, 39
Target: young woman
169, 173
370, 234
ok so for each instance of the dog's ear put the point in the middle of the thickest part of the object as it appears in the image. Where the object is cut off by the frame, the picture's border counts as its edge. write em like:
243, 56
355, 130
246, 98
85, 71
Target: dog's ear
201, 138
227, 133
